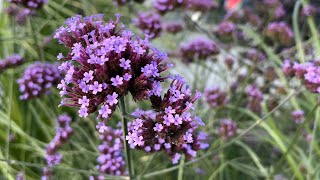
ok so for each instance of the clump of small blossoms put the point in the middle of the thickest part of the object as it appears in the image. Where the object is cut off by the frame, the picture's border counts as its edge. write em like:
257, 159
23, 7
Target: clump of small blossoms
215, 97
256, 56
123, 2
255, 98
104, 64
225, 30
298, 116
149, 23
227, 128
174, 27
63, 133
279, 32
274, 7
111, 160
37, 79
164, 6
200, 48
21, 9
203, 5
10, 62
171, 128
309, 10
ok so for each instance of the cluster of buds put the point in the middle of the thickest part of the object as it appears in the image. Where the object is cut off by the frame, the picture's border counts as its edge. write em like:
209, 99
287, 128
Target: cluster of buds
274, 8
308, 72
200, 48
309, 10
227, 129
104, 64
21, 9
255, 98
298, 116
63, 133
215, 97
11, 62
149, 23
203, 5
37, 80
123, 2
111, 160
279, 32
174, 27
171, 127
225, 30
164, 6
256, 56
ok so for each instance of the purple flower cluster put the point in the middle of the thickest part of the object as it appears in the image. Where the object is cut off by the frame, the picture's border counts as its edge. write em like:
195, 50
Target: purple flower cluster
123, 2
215, 97
255, 98
63, 133
164, 6
104, 64
22, 8
111, 160
279, 32
10, 62
227, 128
256, 56
37, 79
309, 10
274, 7
174, 27
201, 48
298, 116
150, 23
171, 127
203, 5
225, 30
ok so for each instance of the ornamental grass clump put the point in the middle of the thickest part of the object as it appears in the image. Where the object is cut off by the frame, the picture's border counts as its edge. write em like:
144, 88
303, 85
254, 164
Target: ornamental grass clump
37, 80
171, 127
105, 63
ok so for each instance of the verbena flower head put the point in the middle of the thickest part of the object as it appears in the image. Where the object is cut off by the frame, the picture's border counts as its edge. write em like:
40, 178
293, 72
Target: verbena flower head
227, 129
287, 68
200, 48
111, 160
255, 98
149, 23
164, 6
225, 30
63, 133
123, 2
256, 56
171, 127
215, 97
10, 62
37, 80
174, 27
298, 116
105, 63
309, 10
203, 5
279, 32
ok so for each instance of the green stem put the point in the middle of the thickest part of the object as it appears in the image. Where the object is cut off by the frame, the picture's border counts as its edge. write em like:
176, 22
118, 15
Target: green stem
125, 133
296, 30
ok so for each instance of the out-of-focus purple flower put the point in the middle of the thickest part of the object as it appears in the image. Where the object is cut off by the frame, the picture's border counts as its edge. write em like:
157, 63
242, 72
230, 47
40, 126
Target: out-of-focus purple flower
215, 97
104, 64
200, 171
229, 61
308, 10
225, 30
255, 98
174, 27
111, 160
274, 8
171, 127
279, 32
149, 23
298, 116
256, 56
123, 2
287, 68
20, 176
201, 48
63, 133
164, 6
37, 79
203, 5
227, 129
10, 62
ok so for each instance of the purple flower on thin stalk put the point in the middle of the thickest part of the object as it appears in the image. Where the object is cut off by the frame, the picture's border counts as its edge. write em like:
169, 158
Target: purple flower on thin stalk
298, 116
123, 2
105, 63
255, 98
10, 62
287, 68
225, 30
174, 27
203, 5
279, 32
309, 10
201, 48
171, 128
227, 129
164, 6
215, 97
63, 133
256, 56
149, 23
37, 79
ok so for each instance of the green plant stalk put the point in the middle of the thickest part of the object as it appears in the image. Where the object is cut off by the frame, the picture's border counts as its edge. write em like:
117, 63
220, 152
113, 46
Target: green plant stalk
297, 35
125, 133
180, 174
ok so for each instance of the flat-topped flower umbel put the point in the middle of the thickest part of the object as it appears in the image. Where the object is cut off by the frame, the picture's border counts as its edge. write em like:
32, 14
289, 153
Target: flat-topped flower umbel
104, 63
